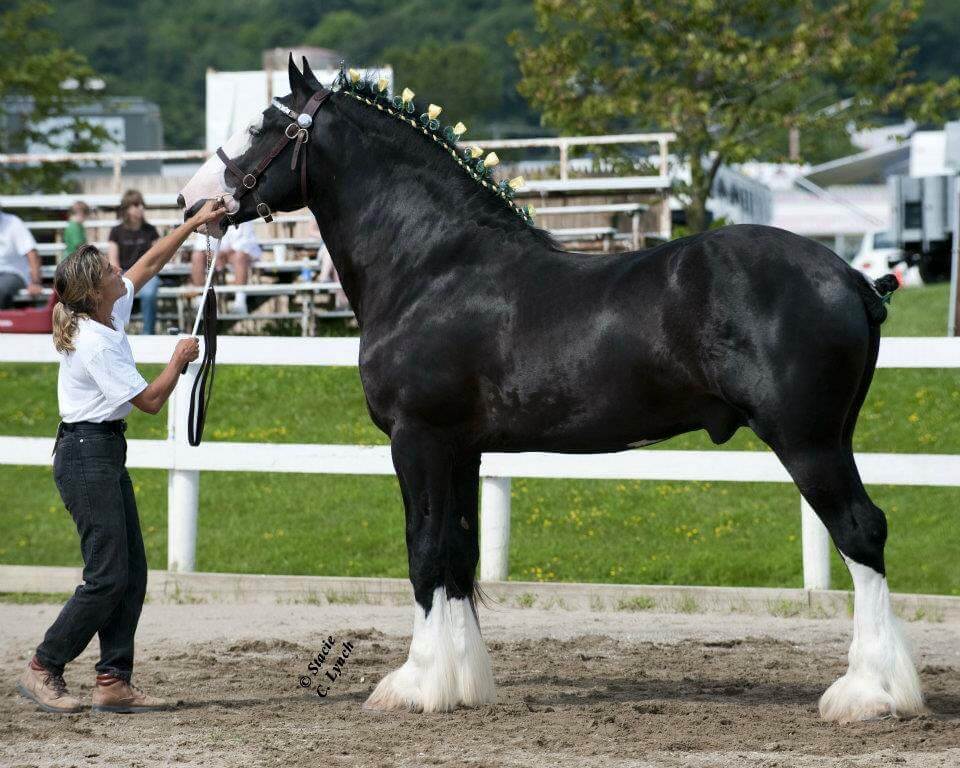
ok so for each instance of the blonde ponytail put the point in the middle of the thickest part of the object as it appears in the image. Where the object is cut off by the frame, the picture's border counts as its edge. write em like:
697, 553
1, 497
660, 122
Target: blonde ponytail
64, 327
77, 282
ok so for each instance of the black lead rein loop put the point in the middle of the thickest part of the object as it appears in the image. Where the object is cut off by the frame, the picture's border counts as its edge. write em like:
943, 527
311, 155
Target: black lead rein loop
203, 384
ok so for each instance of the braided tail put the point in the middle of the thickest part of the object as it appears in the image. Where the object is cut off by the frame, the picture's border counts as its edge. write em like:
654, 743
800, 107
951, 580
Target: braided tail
876, 295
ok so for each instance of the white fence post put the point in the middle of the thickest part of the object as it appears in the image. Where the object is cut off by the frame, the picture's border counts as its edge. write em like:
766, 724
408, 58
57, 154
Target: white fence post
494, 528
816, 549
183, 485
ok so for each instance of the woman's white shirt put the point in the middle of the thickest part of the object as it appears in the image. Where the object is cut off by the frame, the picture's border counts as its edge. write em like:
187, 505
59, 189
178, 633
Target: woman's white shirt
98, 380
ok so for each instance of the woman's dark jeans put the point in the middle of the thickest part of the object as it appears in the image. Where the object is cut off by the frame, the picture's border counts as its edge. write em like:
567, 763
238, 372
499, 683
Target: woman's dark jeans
90, 473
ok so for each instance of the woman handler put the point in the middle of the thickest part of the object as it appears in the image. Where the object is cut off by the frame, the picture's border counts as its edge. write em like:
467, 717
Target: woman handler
98, 386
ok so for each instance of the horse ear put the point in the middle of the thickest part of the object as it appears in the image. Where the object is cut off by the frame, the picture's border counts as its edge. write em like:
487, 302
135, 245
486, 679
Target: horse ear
309, 77
297, 82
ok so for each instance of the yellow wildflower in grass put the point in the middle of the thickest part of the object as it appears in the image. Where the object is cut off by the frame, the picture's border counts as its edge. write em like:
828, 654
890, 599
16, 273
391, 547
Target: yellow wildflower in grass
724, 528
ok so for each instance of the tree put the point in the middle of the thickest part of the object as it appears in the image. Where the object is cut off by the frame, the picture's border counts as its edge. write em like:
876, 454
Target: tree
337, 29
935, 36
729, 77
161, 49
458, 76
39, 80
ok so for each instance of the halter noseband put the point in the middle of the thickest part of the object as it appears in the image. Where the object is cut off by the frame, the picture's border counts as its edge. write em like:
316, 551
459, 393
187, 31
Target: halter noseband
297, 130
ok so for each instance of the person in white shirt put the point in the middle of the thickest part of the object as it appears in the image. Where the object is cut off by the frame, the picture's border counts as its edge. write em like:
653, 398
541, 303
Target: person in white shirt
98, 386
19, 260
238, 248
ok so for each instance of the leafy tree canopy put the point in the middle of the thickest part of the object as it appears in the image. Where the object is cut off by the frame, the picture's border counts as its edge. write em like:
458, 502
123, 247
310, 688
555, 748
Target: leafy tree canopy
161, 49
34, 68
730, 77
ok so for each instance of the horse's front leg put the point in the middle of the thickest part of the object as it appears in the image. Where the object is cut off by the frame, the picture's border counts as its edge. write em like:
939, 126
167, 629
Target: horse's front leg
448, 665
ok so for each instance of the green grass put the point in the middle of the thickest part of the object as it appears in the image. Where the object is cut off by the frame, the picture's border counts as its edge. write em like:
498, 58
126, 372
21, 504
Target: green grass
918, 311
639, 603
34, 598
562, 530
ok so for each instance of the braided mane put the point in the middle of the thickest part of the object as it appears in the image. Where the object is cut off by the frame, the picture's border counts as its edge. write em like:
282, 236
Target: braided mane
374, 94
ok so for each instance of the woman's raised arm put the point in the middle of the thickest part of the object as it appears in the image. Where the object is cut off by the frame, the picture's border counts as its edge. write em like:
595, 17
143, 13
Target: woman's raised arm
163, 249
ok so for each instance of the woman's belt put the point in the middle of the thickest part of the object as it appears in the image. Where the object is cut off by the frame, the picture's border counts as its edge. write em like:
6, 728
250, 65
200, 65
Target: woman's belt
119, 425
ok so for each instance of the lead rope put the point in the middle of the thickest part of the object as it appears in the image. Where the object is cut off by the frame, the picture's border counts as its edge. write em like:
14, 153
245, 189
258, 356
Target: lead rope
203, 385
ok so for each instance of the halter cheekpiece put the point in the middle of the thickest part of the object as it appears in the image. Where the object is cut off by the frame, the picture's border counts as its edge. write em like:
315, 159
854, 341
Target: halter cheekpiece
298, 131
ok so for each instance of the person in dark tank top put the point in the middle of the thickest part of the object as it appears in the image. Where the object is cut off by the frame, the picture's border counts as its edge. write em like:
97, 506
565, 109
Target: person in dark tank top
129, 240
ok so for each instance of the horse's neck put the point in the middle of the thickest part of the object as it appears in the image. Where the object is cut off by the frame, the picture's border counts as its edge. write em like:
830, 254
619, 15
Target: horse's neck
382, 233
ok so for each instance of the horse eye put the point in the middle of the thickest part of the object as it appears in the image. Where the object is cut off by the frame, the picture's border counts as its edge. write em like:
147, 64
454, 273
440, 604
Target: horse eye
255, 131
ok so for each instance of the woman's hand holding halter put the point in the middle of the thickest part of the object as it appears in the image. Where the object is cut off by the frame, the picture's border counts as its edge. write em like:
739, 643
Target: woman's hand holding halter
210, 211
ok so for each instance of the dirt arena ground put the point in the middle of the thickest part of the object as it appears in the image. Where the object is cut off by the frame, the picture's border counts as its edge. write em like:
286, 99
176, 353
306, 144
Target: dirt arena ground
575, 688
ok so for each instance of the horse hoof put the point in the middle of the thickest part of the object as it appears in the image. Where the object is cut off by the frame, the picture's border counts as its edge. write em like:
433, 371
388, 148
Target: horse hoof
409, 689
380, 706
387, 697
853, 698
395, 693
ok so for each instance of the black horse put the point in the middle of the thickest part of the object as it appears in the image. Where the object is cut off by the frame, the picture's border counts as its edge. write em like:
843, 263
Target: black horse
479, 333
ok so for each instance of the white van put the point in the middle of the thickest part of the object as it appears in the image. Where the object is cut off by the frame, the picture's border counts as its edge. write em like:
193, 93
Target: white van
876, 253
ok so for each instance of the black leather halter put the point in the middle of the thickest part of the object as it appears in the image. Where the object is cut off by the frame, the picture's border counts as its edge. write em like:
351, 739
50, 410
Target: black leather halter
298, 131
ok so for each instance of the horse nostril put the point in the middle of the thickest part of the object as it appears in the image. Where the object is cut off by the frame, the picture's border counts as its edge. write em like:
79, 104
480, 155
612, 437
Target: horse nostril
180, 201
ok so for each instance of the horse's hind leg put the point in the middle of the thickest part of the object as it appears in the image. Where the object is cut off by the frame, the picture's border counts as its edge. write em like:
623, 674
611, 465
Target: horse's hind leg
448, 664
881, 679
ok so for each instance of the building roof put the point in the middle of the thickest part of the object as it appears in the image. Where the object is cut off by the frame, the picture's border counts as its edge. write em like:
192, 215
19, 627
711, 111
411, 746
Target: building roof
870, 167
849, 210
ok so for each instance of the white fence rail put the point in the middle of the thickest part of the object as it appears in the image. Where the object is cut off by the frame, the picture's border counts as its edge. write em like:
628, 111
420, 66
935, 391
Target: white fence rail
185, 463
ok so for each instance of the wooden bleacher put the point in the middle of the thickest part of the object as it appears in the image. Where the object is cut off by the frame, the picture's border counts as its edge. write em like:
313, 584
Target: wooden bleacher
600, 225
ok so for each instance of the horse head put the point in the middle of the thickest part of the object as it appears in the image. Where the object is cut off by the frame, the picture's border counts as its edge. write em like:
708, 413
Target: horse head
262, 168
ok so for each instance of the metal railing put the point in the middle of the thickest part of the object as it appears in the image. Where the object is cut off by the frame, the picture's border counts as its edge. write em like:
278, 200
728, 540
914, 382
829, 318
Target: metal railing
561, 143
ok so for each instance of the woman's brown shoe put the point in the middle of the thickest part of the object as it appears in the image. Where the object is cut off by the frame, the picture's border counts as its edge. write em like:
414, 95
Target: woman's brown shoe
114, 694
48, 691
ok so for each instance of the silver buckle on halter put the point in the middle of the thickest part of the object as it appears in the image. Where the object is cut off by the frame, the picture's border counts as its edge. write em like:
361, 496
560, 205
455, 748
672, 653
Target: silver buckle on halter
252, 181
284, 108
296, 130
268, 216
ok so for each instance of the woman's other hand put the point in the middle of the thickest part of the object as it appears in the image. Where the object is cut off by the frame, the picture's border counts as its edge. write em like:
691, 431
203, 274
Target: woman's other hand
187, 351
